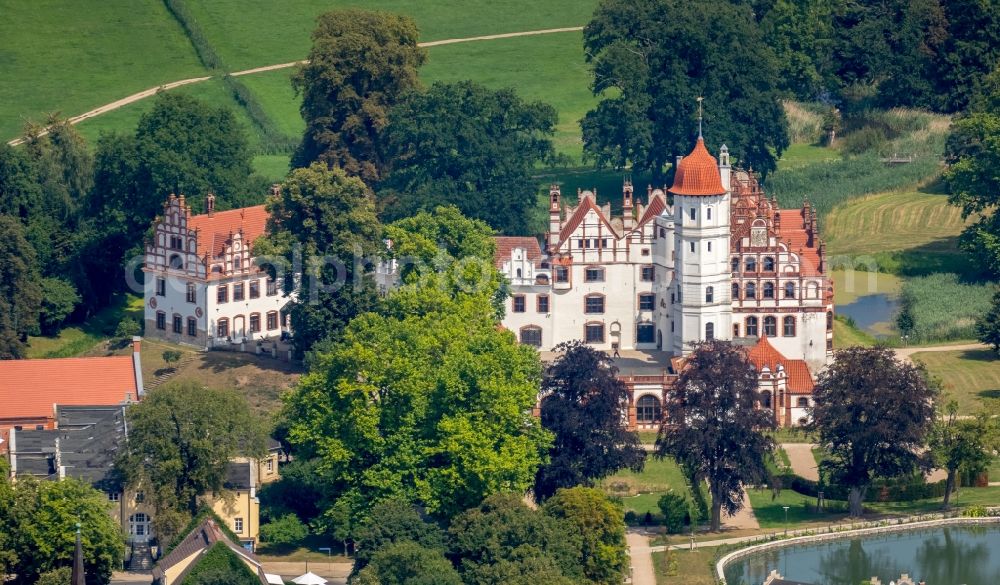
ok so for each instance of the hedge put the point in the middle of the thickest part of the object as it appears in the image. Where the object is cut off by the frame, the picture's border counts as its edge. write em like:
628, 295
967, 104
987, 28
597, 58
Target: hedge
902, 490
220, 565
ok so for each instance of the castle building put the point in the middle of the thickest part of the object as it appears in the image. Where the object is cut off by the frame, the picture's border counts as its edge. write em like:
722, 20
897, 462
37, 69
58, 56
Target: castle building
718, 260
203, 286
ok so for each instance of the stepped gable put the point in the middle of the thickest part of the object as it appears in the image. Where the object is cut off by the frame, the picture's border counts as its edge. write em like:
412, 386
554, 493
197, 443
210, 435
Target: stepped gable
214, 229
698, 173
506, 245
587, 202
794, 232
766, 355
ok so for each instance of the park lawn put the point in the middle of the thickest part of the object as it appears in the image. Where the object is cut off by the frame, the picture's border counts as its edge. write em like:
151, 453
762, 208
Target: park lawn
994, 470
306, 551
82, 339
963, 498
68, 56
694, 567
846, 336
898, 220
770, 512
253, 33
125, 119
802, 155
641, 492
967, 376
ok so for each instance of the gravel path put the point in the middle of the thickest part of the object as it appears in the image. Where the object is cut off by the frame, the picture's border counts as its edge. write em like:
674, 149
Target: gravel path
802, 460
641, 555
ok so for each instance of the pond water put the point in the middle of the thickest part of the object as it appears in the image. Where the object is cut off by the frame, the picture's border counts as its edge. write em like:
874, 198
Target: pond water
871, 313
956, 555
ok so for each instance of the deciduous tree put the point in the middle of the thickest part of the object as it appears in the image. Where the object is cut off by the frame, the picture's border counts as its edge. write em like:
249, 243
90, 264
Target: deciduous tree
988, 326
582, 408
648, 87
873, 414
360, 65
714, 427
465, 145
408, 563
961, 445
181, 439
600, 525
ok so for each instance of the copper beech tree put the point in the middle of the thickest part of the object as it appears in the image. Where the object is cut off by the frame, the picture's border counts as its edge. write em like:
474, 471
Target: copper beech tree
714, 428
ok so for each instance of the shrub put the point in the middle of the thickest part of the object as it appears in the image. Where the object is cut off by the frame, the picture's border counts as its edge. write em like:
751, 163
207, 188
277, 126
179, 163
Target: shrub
127, 328
60, 576
284, 531
220, 566
171, 356
676, 512
975, 512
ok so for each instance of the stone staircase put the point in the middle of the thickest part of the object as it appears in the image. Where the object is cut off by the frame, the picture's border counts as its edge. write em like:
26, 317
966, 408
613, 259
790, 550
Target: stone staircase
172, 371
142, 558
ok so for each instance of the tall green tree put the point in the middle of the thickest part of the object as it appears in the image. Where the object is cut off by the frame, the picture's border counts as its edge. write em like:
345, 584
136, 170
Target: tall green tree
360, 65
713, 427
181, 439
408, 563
465, 145
961, 446
20, 289
872, 414
39, 519
431, 408
969, 54
648, 87
801, 34
393, 522
502, 541
327, 220
600, 525
582, 408
988, 325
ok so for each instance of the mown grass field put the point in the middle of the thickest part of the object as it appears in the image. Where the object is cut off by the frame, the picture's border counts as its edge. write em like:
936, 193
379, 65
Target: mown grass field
967, 376
694, 567
640, 492
71, 56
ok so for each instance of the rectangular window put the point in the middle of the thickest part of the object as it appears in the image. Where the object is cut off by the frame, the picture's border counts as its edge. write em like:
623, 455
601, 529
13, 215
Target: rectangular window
594, 333
178, 324
645, 251
709, 246
594, 305
238, 525
222, 294
531, 336
270, 465
272, 321
647, 302
692, 247
645, 333
562, 274
542, 303
255, 323
222, 329
161, 287
648, 274
579, 243
176, 243
255, 289
191, 293
114, 497
238, 292
272, 287
192, 327
140, 497
593, 275
518, 303
604, 242
161, 320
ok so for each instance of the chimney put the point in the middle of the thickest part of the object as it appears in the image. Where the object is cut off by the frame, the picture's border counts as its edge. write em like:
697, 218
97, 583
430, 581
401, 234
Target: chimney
555, 217
210, 204
137, 366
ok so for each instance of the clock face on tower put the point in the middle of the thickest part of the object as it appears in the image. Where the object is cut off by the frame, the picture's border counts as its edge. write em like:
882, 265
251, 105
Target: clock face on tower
758, 237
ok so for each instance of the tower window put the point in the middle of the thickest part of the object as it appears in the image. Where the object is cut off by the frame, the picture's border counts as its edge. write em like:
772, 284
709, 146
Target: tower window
647, 302
693, 213
710, 295
708, 213
709, 246
647, 274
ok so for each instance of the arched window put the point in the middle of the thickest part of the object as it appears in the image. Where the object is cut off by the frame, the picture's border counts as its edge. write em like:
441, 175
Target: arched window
735, 263
768, 264
765, 399
751, 264
531, 335
176, 261
788, 326
519, 273
709, 331
709, 294
770, 326
736, 290
789, 290
768, 290
647, 409
803, 402
829, 320
751, 326
750, 291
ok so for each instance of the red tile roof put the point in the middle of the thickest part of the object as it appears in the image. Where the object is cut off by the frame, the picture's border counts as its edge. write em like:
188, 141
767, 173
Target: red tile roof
29, 388
698, 173
586, 204
506, 245
214, 230
764, 354
657, 204
793, 232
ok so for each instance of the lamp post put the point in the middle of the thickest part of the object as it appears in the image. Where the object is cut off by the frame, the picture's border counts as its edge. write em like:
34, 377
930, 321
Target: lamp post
786, 520
329, 556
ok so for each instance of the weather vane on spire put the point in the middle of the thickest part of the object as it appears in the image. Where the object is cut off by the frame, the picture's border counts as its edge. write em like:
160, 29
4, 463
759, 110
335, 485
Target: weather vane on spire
699, 115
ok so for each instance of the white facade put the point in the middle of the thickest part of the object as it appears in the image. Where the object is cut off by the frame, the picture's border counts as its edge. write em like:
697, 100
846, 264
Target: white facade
203, 286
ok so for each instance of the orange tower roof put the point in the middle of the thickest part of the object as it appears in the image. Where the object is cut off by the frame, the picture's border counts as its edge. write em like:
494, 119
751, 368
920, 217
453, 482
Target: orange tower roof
698, 173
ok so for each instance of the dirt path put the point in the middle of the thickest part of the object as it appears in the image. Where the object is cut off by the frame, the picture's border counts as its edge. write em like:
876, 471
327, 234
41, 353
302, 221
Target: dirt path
167, 86
641, 555
802, 460
905, 353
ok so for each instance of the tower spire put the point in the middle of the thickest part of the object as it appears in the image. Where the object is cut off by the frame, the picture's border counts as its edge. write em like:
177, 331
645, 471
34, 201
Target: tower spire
699, 115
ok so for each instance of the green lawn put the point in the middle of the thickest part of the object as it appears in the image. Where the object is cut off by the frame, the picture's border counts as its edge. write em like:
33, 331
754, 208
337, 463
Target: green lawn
273, 90
693, 567
846, 336
770, 513
80, 339
967, 376
640, 492
802, 155
71, 56
251, 33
